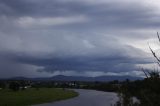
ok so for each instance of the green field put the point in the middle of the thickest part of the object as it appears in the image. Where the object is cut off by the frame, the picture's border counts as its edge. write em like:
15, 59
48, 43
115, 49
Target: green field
32, 96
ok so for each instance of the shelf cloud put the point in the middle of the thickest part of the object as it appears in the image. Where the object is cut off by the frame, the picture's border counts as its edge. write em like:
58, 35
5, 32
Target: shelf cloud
77, 37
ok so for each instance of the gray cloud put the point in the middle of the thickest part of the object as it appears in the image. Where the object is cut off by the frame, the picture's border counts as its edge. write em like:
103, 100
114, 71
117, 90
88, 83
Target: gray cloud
106, 15
120, 61
80, 36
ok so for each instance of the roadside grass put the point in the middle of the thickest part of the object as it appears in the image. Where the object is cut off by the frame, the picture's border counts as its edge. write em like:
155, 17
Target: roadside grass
32, 96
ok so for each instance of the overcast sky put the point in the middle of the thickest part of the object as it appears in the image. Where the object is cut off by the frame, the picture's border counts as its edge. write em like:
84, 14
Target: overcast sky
42, 38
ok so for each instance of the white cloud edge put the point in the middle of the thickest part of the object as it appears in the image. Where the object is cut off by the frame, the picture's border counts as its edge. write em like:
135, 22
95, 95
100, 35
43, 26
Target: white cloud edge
28, 21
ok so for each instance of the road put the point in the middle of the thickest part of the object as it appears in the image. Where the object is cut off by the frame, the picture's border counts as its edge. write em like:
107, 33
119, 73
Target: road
87, 98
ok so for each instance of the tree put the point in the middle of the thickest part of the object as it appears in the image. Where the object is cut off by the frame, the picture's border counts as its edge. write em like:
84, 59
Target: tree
150, 91
14, 86
153, 74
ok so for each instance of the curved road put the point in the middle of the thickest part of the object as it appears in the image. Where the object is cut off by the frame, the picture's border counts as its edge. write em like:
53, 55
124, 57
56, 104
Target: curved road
87, 98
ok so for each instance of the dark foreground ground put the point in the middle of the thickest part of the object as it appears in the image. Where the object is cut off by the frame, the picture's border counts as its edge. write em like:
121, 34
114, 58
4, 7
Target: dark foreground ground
87, 98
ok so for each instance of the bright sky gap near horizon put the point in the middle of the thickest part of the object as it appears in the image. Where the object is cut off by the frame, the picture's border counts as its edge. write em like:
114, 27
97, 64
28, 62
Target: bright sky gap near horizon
42, 38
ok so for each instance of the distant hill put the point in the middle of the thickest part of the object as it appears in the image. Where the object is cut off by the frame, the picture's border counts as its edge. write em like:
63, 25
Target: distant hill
79, 78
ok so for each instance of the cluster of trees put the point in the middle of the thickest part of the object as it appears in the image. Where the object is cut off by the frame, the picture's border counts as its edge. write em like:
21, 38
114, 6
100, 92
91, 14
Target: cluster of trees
14, 85
147, 90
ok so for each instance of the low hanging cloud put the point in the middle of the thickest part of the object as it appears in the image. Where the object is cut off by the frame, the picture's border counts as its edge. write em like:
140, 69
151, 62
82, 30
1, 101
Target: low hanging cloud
76, 37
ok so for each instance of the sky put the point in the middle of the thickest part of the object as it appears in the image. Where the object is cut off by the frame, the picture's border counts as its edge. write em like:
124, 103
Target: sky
43, 38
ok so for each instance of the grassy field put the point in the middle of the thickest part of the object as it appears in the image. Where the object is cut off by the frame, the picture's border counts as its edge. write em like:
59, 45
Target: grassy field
32, 96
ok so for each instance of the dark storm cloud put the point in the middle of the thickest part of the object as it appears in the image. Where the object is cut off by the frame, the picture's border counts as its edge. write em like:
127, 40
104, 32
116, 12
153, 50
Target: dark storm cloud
11, 68
106, 15
39, 8
114, 63
77, 35
14, 7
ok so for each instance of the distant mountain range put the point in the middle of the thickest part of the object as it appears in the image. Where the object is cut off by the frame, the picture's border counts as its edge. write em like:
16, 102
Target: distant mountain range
79, 78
